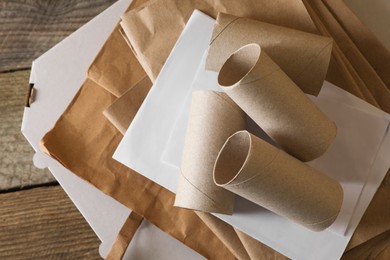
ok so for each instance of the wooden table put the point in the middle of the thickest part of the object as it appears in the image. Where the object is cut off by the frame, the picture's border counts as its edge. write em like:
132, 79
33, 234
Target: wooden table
37, 219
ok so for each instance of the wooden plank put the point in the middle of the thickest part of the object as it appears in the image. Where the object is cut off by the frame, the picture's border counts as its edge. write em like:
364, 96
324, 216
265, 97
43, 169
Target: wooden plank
42, 223
31, 27
16, 167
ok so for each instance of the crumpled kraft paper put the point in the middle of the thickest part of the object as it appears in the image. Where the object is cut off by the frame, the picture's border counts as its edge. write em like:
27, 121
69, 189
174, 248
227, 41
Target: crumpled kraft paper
83, 141
363, 80
275, 103
122, 111
269, 177
121, 69
304, 57
153, 30
213, 118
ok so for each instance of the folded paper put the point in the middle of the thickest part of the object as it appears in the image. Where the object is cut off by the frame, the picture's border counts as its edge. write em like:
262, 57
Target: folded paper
213, 118
122, 111
265, 175
304, 57
275, 103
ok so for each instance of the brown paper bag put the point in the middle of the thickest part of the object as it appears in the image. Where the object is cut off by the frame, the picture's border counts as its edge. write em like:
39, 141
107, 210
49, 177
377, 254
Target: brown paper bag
153, 30
275, 103
213, 118
269, 177
304, 57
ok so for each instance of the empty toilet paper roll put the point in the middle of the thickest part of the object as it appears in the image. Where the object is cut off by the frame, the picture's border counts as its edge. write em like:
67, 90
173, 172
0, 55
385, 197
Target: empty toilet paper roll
213, 118
304, 57
275, 103
266, 175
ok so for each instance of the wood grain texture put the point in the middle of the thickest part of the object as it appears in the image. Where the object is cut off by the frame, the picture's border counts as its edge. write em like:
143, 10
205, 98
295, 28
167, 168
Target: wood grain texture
16, 167
31, 27
43, 223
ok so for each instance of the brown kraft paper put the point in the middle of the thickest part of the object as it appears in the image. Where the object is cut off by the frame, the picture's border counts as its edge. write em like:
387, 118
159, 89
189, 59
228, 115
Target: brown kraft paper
366, 42
269, 177
153, 30
369, 82
121, 69
304, 57
371, 249
213, 118
226, 233
83, 141
257, 250
123, 110
124, 237
275, 103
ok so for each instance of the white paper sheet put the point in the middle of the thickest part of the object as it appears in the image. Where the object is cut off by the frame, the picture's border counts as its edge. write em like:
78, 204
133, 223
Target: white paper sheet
58, 75
146, 140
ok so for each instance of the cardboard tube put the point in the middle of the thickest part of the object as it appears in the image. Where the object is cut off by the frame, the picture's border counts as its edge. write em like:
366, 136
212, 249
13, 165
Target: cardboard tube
304, 57
269, 177
213, 118
275, 103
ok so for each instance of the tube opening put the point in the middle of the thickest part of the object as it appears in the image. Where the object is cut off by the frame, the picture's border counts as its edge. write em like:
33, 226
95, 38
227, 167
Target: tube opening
232, 158
238, 65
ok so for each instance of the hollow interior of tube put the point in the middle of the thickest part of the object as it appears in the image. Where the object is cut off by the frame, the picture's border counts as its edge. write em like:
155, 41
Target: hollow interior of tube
231, 158
239, 64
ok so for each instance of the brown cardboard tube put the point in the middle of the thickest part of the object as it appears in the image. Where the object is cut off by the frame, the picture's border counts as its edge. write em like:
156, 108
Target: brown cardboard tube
213, 118
304, 57
269, 177
275, 103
